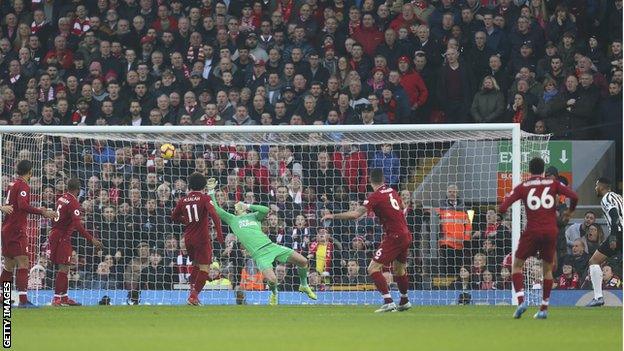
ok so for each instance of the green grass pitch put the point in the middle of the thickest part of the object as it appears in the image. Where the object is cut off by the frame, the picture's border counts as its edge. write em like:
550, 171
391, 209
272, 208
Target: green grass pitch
258, 328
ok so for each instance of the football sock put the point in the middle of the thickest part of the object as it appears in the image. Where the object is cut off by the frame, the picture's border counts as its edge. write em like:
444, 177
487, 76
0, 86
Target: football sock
518, 283
272, 287
22, 284
303, 276
546, 288
7, 276
193, 276
382, 286
200, 281
60, 284
595, 272
403, 283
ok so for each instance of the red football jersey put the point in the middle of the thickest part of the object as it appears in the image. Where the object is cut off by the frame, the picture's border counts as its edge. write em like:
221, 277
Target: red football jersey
387, 206
194, 210
68, 218
539, 196
18, 196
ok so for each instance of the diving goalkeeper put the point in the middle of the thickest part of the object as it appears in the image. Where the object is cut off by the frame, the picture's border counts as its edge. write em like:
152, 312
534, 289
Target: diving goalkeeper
248, 229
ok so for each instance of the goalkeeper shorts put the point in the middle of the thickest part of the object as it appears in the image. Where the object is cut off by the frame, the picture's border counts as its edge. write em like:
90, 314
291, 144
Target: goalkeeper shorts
270, 253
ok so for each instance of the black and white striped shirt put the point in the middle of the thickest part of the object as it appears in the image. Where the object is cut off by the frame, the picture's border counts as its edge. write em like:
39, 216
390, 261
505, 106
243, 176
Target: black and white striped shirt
609, 201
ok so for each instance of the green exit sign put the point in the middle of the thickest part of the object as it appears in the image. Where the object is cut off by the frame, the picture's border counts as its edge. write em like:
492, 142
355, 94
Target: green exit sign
557, 154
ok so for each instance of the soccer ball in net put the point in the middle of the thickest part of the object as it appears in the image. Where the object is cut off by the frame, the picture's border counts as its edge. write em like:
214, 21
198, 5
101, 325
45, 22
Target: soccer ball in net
167, 151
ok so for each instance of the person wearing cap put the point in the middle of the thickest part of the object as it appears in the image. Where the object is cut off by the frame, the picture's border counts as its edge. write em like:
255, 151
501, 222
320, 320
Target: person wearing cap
196, 82
254, 49
367, 114
288, 96
525, 59
596, 54
257, 76
543, 63
524, 33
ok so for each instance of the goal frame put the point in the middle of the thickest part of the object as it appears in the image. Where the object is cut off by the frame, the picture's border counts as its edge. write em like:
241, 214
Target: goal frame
513, 128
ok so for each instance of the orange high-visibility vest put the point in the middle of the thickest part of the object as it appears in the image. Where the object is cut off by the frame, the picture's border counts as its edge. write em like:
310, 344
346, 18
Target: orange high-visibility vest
251, 282
455, 228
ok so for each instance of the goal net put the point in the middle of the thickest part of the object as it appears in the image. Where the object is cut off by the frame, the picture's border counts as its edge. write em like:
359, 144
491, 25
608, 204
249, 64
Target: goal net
450, 179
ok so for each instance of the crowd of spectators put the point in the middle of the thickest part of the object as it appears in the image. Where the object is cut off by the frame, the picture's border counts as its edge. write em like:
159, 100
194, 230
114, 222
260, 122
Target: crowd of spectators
549, 65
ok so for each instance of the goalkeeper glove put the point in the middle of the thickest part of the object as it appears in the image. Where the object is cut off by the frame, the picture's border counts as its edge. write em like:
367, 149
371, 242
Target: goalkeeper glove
241, 207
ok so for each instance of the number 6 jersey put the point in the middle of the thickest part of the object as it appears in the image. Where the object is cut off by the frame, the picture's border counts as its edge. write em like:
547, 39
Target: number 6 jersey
386, 203
539, 196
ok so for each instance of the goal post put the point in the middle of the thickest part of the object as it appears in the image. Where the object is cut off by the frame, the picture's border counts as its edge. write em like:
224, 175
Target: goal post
300, 173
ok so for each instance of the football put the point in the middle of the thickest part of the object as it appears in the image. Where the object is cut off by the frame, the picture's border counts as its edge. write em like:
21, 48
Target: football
167, 151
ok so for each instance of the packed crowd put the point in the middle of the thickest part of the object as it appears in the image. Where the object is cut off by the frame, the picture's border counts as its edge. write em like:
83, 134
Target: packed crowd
549, 65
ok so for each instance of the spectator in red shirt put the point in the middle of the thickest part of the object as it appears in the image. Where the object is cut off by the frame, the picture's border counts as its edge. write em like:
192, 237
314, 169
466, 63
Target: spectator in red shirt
352, 163
610, 280
568, 280
60, 54
368, 34
164, 20
413, 84
406, 19
252, 164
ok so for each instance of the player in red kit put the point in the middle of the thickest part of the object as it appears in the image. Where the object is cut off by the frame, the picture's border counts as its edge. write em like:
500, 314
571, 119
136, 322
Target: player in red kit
14, 240
194, 210
539, 195
386, 203
67, 220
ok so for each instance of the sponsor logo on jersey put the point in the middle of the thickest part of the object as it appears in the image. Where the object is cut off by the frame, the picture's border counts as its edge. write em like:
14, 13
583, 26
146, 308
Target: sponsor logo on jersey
538, 182
247, 223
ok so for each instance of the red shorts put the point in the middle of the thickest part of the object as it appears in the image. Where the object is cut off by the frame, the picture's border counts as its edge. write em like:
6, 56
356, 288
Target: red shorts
530, 244
200, 253
14, 246
393, 248
60, 251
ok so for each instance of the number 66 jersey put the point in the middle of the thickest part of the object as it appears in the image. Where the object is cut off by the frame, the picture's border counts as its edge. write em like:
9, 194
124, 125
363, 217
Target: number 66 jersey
539, 196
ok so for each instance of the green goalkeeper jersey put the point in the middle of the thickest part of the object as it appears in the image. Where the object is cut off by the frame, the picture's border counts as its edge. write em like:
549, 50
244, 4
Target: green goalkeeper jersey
247, 227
